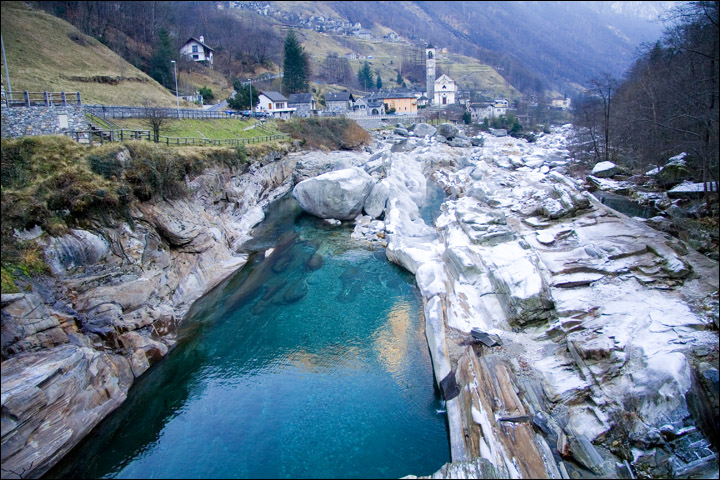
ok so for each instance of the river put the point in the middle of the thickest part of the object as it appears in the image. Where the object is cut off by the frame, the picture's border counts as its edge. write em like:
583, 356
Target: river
309, 362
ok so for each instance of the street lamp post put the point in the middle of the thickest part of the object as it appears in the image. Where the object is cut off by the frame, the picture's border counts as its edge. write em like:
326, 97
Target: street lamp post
250, 97
7, 74
177, 98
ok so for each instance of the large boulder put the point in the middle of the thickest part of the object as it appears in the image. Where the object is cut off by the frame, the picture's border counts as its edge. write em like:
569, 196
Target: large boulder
674, 172
376, 200
604, 170
460, 142
448, 130
340, 194
424, 129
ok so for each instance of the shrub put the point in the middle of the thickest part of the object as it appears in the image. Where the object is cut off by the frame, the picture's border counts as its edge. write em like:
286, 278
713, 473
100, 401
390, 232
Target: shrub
206, 94
8, 281
326, 133
155, 171
26, 159
106, 165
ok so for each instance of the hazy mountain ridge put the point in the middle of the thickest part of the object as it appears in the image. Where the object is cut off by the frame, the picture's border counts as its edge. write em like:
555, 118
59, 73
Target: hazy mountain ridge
535, 45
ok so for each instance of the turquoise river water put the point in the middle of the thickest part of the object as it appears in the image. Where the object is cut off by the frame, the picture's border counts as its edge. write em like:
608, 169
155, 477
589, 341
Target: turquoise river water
309, 362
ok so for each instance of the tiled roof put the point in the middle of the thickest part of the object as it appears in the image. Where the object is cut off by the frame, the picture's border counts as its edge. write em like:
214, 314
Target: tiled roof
300, 98
339, 97
198, 41
275, 96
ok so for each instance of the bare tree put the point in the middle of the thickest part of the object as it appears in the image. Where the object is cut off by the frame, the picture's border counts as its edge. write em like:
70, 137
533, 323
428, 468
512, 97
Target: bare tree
604, 88
155, 117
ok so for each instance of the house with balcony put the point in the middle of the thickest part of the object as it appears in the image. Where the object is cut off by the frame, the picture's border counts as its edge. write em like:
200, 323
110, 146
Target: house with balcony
274, 104
196, 50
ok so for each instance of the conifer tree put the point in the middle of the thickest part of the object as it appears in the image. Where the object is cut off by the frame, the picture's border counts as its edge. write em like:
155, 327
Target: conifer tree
379, 82
160, 66
295, 66
365, 77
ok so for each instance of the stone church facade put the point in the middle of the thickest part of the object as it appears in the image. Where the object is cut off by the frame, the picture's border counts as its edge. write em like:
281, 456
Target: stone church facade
445, 91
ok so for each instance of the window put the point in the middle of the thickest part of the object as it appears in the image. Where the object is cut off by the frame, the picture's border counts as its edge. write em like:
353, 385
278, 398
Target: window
195, 48
195, 57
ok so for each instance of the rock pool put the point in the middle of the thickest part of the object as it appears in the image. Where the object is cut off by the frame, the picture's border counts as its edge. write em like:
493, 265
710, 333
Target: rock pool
310, 361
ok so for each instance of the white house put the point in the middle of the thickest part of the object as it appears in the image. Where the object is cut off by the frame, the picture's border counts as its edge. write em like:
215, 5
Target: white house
481, 111
445, 90
561, 103
500, 107
274, 104
195, 49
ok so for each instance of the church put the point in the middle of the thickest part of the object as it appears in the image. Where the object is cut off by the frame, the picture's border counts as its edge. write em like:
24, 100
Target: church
440, 91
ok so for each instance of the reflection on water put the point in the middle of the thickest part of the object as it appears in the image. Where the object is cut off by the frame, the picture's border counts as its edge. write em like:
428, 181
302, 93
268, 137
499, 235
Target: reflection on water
392, 340
309, 362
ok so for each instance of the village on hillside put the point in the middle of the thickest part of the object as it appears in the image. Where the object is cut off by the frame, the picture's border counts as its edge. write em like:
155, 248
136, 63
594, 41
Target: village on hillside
440, 93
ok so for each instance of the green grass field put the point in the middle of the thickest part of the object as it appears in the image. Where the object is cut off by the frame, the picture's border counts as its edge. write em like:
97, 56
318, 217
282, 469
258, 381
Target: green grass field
214, 129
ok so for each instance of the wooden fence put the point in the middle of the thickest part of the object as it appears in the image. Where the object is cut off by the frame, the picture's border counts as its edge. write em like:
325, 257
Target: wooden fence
40, 99
96, 135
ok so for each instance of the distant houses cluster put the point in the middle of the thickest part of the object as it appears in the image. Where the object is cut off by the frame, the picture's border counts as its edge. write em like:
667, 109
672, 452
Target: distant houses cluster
399, 102
439, 92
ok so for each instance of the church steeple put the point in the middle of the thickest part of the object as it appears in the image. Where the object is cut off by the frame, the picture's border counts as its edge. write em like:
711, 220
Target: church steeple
430, 72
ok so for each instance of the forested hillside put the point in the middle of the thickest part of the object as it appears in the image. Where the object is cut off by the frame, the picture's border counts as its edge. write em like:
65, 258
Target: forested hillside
535, 46
137, 31
44, 53
666, 104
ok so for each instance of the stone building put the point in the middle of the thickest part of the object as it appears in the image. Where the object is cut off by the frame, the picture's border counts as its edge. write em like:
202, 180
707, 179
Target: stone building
303, 103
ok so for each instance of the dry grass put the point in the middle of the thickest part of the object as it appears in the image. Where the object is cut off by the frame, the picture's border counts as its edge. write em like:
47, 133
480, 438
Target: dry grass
326, 133
200, 77
45, 53
56, 183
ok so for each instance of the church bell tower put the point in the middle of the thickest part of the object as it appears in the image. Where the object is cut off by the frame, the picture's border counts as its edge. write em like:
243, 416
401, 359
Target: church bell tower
430, 73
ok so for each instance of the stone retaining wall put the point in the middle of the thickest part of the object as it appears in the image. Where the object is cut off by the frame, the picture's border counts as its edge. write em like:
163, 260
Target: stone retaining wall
53, 120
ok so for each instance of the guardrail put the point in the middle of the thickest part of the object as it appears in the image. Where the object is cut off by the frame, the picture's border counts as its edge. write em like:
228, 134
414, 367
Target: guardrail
101, 123
119, 111
40, 99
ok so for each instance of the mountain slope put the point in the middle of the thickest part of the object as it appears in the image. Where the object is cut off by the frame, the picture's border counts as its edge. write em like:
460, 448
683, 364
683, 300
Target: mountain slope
536, 46
45, 53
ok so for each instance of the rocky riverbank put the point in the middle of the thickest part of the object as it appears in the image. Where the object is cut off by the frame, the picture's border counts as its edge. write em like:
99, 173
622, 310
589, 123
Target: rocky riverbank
73, 345
567, 339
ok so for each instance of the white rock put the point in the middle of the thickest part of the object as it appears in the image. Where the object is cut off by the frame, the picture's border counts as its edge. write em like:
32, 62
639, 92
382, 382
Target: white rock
604, 169
340, 194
